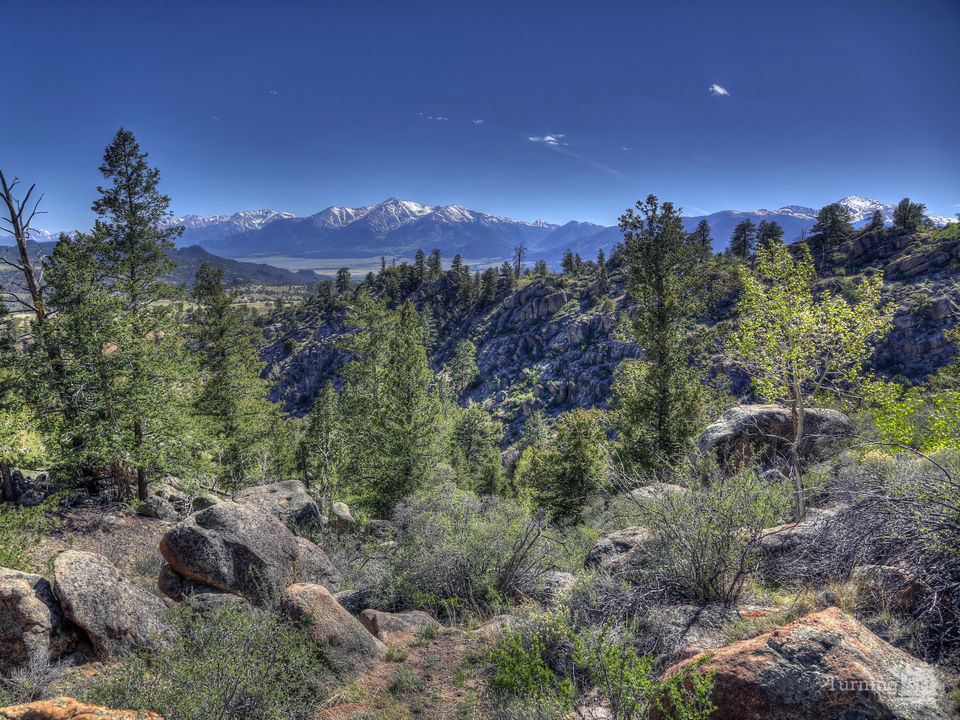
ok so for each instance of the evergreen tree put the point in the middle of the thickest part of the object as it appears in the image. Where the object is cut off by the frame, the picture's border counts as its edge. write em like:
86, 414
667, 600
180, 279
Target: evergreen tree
536, 430
876, 222
343, 280
908, 216
391, 414
319, 451
541, 269
743, 239
420, 267
133, 250
507, 279
488, 286
463, 366
833, 226
568, 263
702, 235
769, 232
434, 266
658, 400
456, 266
474, 450
231, 399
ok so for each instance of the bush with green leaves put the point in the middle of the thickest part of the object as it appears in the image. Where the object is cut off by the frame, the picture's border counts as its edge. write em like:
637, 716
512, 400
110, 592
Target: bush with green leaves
518, 670
231, 664
456, 545
20, 529
705, 542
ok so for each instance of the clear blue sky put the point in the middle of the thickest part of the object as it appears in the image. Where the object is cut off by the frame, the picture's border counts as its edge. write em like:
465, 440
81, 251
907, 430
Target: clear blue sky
300, 105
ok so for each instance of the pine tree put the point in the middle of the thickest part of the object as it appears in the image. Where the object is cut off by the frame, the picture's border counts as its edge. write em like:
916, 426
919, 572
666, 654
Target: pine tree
507, 279
391, 416
343, 281
134, 250
568, 263
743, 239
434, 265
833, 226
908, 215
463, 367
488, 286
876, 222
231, 399
319, 451
456, 266
475, 453
769, 232
658, 400
536, 430
420, 267
702, 235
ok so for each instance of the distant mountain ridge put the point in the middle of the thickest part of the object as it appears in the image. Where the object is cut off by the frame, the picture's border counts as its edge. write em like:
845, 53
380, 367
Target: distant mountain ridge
398, 228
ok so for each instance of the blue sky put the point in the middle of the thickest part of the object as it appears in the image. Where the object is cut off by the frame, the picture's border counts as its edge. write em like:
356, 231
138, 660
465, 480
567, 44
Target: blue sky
559, 110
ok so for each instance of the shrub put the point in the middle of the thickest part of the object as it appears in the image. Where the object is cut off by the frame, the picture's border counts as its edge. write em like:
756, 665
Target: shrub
20, 530
31, 682
455, 545
229, 664
518, 670
705, 541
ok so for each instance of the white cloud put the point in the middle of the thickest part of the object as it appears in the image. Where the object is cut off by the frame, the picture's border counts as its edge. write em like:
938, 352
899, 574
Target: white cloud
216, 119
555, 140
626, 148
717, 90
274, 92
433, 117
478, 122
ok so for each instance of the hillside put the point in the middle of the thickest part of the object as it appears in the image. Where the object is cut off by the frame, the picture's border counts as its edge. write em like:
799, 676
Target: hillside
553, 344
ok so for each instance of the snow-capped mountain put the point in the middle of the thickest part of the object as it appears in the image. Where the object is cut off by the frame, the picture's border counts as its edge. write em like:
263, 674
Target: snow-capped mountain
398, 228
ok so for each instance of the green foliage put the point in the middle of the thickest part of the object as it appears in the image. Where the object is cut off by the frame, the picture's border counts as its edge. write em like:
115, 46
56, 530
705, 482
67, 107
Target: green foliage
454, 544
21, 444
518, 670
320, 450
796, 345
629, 682
908, 215
657, 403
565, 472
475, 452
230, 398
743, 239
391, 412
21, 528
463, 366
832, 227
229, 664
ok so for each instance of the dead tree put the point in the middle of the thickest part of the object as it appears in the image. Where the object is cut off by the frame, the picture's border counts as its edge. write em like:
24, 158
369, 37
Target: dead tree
18, 217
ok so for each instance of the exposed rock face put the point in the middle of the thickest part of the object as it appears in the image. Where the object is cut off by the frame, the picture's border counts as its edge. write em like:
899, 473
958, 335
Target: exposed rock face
826, 666
395, 627
32, 626
656, 491
116, 615
239, 549
619, 551
29, 489
66, 708
315, 566
288, 501
158, 507
553, 585
497, 626
795, 537
763, 433
341, 518
348, 647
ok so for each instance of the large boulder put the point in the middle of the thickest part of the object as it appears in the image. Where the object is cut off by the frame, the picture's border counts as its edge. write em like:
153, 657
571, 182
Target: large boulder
887, 585
116, 615
347, 646
620, 551
825, 666
764, 433
288, 501
66, 708
655, 491
395, 627
32, 626
159, 508
315, 566
30, 489
239, 549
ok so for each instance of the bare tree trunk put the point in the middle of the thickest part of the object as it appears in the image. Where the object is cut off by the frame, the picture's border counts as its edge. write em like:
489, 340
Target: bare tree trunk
20, 229
141, 470
799, 412
7, 480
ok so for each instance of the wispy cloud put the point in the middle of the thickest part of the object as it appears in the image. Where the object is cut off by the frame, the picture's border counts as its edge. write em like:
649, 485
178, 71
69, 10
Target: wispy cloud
478, 122
554, 140
717, 90
626, 148
434, 117
274, 92
216, 119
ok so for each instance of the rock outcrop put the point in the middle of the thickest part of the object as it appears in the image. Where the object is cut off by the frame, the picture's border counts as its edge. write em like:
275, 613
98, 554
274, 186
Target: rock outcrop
395, 627
347, 646
66, 708
116, 615
239, 549
826, 666
620, 551
288, 501
32, 626
764, 434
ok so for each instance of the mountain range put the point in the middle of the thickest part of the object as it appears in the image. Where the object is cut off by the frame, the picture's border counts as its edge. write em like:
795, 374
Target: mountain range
398, 228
